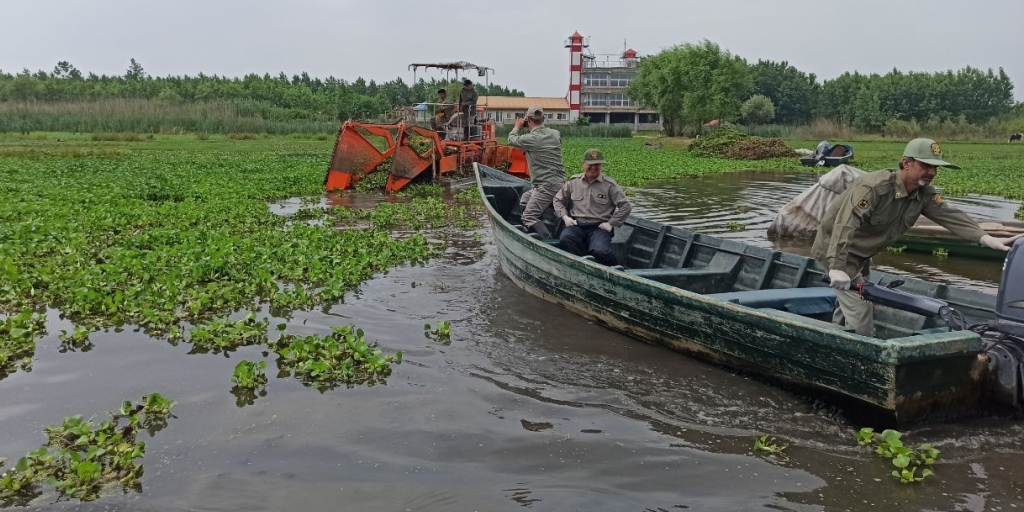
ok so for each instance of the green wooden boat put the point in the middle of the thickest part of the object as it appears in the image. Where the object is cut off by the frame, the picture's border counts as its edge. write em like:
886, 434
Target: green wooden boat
756, 310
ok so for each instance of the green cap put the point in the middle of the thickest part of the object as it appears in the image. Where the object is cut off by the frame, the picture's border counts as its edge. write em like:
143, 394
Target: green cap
927, 151
593, 156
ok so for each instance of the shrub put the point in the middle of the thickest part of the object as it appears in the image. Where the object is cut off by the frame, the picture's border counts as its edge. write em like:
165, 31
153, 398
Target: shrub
759, 109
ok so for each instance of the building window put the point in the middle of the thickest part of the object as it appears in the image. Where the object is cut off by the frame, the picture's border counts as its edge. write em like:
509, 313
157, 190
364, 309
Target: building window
547, 116
595, 99
510, 115
618, 100
649, 118
620, 79
562, 116
595, 79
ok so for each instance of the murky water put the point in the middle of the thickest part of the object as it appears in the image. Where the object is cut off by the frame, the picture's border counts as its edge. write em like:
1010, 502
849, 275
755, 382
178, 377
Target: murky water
529, 406
754, 198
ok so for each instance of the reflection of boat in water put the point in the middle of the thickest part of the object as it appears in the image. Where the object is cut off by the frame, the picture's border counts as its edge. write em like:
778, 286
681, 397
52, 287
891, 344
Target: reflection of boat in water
767, 312
828, 156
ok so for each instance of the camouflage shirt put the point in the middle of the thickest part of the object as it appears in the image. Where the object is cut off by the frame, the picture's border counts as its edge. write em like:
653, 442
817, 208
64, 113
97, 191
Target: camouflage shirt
875, 211
593, 202
467, 97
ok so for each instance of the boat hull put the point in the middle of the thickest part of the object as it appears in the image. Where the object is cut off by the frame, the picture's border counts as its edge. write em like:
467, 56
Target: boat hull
887, 382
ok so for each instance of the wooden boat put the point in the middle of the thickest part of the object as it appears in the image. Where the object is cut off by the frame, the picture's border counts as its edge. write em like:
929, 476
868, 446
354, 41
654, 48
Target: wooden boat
835, 155
753, 309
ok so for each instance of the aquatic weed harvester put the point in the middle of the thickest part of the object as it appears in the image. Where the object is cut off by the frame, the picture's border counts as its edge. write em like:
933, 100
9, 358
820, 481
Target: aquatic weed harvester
410, 152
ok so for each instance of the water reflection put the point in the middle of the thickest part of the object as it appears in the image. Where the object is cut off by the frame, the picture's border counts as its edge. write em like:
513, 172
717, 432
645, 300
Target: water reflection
753, 198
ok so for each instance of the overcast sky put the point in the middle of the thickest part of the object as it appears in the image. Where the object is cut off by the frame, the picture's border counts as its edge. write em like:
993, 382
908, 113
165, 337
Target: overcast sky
523, 41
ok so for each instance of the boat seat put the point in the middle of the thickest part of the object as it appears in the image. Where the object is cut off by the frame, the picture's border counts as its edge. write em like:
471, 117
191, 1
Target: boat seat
699, 280
651, 273
811, 322
816, 300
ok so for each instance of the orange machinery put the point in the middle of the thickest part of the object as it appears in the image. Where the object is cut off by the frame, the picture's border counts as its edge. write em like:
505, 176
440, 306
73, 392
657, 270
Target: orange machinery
417, 153
414, 150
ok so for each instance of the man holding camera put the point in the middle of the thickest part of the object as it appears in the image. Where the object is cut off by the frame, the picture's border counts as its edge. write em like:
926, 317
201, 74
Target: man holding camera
543, 147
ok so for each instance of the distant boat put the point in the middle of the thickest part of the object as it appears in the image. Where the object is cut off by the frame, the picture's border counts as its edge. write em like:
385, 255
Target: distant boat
832, 156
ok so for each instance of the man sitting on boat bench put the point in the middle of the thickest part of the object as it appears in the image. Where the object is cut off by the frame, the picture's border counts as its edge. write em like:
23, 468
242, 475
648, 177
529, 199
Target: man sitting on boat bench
598, 207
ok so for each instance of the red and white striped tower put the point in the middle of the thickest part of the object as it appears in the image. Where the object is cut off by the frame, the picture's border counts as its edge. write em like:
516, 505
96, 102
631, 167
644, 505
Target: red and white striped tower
575, 46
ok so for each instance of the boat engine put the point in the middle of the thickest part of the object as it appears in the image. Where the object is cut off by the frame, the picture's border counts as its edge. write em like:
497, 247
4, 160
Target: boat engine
1003, 335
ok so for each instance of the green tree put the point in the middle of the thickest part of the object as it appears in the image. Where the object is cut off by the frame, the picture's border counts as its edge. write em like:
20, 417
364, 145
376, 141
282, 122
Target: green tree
793, 92
867, 110
758, 109
135, 71
690, 84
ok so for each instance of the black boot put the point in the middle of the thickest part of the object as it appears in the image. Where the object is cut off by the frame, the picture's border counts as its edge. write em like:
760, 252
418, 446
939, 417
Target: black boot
542, 230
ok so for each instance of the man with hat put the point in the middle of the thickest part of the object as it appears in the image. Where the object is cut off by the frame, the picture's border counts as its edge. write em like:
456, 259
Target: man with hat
467, 105
875, 211
543, 147
598, 207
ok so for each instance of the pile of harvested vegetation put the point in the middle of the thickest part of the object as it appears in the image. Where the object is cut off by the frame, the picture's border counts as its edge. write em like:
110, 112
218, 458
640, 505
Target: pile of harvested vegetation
728, 142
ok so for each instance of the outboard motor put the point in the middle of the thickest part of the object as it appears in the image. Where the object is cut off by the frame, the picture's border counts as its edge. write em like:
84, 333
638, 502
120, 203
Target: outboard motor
1004, 336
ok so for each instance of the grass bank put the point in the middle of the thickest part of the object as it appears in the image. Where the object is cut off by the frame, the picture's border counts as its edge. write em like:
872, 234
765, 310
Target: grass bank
144, 116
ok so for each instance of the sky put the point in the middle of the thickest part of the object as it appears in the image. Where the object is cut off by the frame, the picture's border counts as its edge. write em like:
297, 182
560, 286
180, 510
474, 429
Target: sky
523, 41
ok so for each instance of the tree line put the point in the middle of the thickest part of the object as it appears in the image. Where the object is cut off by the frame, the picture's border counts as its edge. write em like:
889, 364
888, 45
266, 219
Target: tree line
300, 96
693, 83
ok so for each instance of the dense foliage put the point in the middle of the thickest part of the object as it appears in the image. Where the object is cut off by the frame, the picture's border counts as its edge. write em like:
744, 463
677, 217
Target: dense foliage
694, 83
274, 98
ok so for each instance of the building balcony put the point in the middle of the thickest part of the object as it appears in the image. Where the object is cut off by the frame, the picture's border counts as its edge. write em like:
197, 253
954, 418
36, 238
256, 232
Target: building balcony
628, 64
618, 89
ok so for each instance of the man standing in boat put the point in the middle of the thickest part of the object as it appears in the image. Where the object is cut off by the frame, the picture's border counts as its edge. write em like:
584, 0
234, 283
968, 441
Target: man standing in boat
543, 147
598, 207
875, 211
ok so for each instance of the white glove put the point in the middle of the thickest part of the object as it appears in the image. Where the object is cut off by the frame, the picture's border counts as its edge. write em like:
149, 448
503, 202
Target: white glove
605, 226
569, 221
999, 244
840, 280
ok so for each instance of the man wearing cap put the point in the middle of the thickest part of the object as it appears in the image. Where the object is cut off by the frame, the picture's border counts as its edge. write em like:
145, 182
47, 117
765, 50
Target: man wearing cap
543, 147
467, 104
875, 211
598, 207
445, 111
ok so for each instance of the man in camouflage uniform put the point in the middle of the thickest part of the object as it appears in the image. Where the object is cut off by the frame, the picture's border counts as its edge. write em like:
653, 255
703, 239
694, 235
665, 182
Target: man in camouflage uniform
598, 207
543, 147
875, 211
467, 105
445, 111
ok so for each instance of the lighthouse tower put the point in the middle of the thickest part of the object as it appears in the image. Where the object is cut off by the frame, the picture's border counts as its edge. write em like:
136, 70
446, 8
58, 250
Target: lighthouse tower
575, 46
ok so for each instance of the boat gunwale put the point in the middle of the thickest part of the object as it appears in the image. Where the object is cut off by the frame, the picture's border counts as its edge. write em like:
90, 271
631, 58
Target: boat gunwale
893, 351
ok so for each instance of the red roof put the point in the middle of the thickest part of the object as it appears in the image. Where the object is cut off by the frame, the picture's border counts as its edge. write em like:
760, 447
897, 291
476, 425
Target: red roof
629, 54
576, 35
